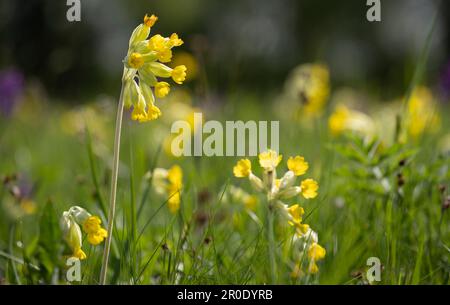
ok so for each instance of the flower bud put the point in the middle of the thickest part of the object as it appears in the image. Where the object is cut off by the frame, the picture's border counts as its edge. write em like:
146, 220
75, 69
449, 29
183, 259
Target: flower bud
79, 214
289, 192
256, 183
139, 34
127, 95
287, 180
159, 69
147, 77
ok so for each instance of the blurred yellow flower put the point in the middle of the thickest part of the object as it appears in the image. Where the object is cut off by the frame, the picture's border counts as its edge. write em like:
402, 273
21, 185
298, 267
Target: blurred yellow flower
309, 85
422, 115
250, 202
315, 253
344, 119
28, 206
169, 182
243, 168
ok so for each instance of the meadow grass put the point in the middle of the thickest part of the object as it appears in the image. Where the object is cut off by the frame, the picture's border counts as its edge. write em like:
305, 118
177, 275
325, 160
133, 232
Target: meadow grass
379, 196
212, 240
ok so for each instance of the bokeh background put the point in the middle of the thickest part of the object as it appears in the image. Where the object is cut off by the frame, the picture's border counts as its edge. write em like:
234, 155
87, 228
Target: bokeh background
238, 44
381, 194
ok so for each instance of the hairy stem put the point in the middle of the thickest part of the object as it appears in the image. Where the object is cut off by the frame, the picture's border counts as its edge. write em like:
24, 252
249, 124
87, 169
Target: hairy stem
112, 197
271, 240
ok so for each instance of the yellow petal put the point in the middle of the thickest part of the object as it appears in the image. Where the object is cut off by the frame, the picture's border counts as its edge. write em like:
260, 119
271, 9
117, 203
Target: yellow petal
309, 188
298, 165
243, 168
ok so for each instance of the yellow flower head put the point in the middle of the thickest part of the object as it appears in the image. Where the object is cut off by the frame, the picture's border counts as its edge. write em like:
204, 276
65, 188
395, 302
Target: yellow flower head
301, 229
150, 21
162, 89
309, 188
243, 168
269, 160
422, 114
139, 114
298, 165
345, 119
179, 74
296, 212
157, 43
97, 237
175, 176
309, 83
92, 227
316, 252
92, 224
313, 268
174, 199
79, 253
153, 113
163, 46
143, 65
136, 60
174, 41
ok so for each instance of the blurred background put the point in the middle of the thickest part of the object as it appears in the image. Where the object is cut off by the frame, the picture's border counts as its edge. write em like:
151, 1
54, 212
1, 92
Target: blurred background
318, 67
232, 45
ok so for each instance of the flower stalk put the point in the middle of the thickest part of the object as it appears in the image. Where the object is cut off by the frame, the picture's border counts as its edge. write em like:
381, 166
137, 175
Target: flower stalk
271, 240
114, 176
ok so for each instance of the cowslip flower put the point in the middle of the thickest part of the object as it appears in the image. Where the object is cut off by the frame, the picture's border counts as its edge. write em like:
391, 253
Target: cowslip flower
169, 182
70, 223
315, 253
278, 190
144, 64
72, 235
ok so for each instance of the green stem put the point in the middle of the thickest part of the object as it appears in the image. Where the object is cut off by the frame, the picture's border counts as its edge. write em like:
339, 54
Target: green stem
112, 198
271, 239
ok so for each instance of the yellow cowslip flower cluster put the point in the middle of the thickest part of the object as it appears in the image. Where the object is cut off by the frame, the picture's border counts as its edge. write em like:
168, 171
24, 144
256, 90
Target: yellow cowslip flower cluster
422, 115
169, 182
143, 64
70, 223
344, 119
310, 84
280, 189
